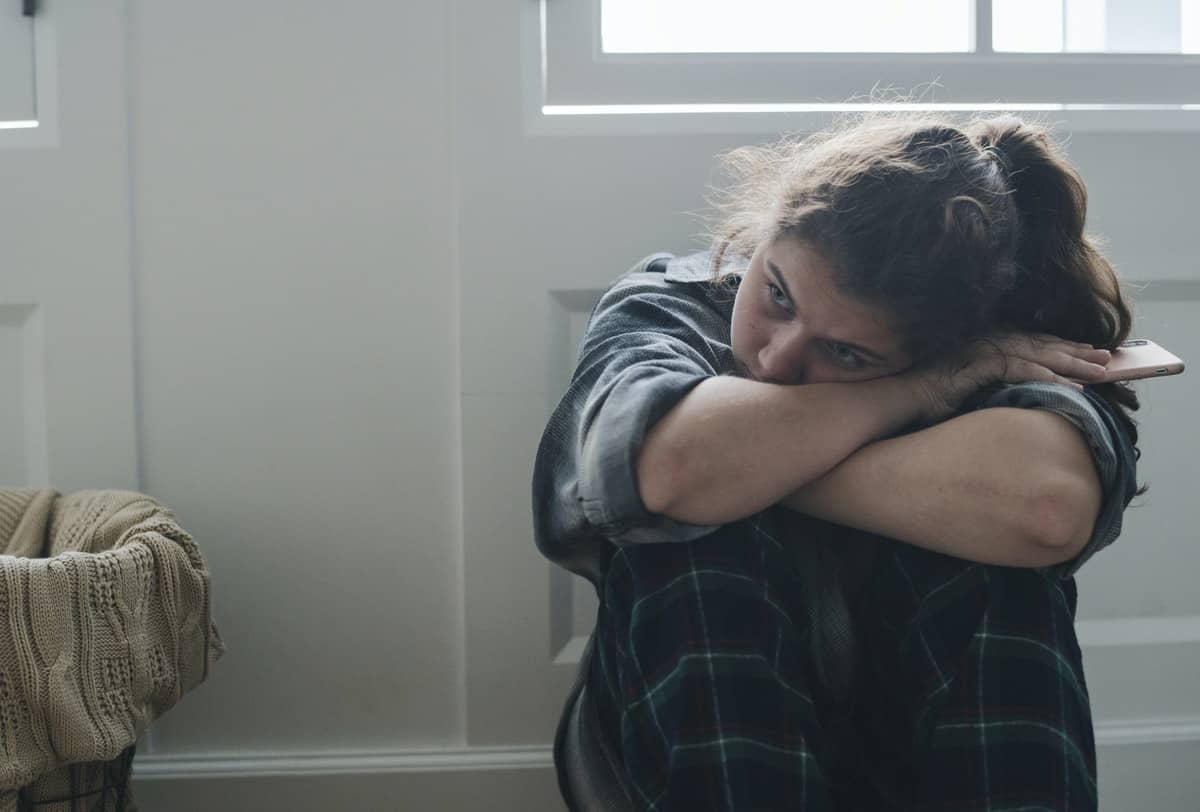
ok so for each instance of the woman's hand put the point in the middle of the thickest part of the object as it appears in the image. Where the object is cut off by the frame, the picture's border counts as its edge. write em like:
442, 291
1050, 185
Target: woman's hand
1003, 358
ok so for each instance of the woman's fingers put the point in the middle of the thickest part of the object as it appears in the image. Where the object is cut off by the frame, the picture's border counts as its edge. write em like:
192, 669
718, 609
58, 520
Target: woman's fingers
1079, 367
1062, 358
1036, 343
1021, 370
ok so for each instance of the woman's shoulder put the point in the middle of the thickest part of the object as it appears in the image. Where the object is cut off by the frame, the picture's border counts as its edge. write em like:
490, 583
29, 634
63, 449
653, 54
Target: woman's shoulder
696, 267
662, 289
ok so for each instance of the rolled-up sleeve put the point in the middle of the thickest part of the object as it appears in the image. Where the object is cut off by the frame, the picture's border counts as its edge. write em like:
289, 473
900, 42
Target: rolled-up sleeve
1109, 442
641, 381
648, 343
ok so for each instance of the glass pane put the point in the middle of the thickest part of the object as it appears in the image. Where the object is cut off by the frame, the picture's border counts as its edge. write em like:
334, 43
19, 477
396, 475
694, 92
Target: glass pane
789, 26
1096, 26
1190, 24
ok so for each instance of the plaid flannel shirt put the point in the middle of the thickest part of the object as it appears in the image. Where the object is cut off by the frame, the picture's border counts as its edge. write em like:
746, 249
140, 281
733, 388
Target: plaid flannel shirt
656, 333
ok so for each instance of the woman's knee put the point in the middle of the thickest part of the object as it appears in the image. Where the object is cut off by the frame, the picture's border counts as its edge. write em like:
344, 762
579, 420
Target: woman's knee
735, 560
732, 588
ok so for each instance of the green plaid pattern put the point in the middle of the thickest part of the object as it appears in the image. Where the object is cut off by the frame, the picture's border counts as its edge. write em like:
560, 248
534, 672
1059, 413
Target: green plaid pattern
972, 696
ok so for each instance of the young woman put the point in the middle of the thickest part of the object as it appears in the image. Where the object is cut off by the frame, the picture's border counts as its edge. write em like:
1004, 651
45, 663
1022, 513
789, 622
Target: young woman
832, 479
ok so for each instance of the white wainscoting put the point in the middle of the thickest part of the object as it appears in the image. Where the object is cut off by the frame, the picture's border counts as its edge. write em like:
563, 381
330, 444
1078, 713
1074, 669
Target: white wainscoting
1143, 765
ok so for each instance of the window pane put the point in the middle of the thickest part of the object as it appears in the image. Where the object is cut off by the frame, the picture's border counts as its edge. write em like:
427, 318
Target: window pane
1191, 26
759, 26
1027, 25
1096, 26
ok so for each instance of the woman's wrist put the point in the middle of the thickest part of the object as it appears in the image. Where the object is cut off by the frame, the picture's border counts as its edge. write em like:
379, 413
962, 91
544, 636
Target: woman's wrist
915, 401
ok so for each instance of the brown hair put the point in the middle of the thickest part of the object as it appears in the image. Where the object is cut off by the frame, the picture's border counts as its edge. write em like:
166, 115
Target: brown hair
955, 231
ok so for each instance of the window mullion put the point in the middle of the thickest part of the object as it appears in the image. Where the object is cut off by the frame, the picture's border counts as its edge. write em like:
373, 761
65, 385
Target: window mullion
983, 26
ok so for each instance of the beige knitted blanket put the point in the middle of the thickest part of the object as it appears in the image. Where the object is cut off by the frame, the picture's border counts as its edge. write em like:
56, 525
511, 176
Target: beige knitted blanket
105, 622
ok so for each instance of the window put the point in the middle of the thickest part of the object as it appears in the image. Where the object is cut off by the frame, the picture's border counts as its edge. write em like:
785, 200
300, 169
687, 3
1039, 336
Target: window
1010, 54
887, 26
1096, 26
783, 26
16, 68
28, 76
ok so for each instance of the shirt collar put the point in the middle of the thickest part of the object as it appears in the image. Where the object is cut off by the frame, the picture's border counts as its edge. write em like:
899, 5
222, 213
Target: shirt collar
698, 267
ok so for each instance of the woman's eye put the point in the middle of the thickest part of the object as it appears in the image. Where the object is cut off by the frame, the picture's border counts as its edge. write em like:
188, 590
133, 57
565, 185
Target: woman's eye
845, 356
772, 290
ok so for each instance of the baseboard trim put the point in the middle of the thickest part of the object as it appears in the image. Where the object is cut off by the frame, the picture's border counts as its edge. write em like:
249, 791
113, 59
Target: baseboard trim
473, 759
251, 765
1137, 631
1147, 731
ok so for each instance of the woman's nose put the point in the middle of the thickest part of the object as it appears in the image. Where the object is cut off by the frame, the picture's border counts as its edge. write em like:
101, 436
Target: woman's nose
782, 362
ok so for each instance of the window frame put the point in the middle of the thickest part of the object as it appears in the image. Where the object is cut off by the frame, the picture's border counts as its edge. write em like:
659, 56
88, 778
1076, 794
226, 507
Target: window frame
575, 78
17, 101
43, 131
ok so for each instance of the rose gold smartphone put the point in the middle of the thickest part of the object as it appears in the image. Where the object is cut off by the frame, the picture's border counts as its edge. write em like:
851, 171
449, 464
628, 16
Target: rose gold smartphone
1141, 358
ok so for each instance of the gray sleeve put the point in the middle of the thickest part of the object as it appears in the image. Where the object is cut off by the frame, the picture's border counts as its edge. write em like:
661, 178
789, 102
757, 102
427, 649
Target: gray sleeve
646, 346
621, 410
1108, 440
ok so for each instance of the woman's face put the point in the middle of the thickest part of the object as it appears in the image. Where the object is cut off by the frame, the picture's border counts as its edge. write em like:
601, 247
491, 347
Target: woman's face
791, 325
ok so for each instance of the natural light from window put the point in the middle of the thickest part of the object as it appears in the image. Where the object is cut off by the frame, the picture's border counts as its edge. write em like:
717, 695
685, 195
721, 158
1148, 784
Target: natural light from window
763, 26
1096, 26
895, 26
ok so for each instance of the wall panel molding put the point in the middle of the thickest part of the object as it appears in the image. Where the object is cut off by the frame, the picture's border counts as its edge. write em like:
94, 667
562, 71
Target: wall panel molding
24, 429
342, 762
473, 759
1156, 760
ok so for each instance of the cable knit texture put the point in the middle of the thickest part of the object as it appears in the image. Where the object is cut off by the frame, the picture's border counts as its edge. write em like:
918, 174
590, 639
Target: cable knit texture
105, 622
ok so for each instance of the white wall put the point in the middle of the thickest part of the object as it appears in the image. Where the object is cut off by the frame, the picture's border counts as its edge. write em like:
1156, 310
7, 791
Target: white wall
311, 184
296, 306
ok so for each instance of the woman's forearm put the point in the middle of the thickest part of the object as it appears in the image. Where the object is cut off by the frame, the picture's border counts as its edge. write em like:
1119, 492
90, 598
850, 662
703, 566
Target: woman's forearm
733, 447
1015, 487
